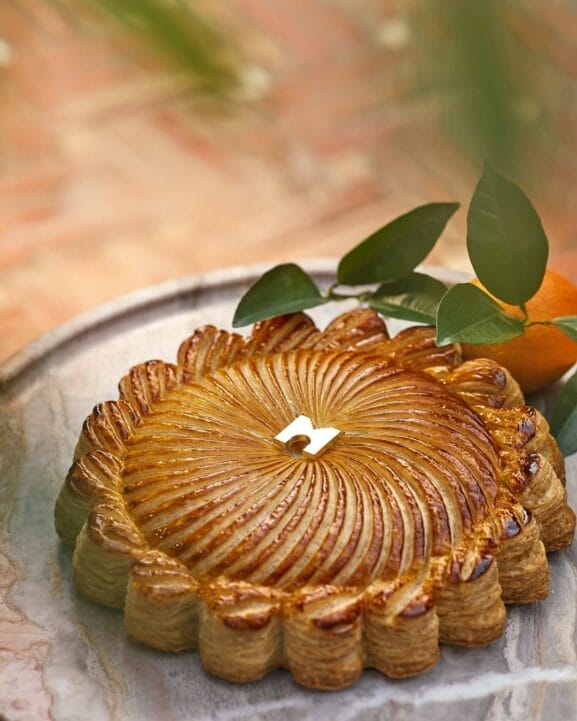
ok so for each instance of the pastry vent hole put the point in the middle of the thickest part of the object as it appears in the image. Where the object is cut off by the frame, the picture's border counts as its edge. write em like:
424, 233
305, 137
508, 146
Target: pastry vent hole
297, 444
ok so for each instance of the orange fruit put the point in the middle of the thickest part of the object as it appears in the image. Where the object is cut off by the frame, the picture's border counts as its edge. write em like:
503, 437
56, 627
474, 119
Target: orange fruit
543, 353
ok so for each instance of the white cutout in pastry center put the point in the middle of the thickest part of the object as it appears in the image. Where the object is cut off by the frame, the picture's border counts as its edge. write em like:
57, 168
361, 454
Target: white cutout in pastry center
301, 436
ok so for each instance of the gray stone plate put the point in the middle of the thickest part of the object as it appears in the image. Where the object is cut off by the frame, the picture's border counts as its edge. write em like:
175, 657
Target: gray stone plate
63, 658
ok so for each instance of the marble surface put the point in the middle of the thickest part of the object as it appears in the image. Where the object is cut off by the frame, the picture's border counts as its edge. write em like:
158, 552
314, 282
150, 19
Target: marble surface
63, 658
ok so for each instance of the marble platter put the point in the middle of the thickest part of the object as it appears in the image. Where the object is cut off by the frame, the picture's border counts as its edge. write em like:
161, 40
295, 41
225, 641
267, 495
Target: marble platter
63, 658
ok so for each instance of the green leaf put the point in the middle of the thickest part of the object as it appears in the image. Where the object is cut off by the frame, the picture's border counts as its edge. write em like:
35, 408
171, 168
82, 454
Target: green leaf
563, 419
283, 289
568, 324
396, 249
466, 314
414, 298
505, 239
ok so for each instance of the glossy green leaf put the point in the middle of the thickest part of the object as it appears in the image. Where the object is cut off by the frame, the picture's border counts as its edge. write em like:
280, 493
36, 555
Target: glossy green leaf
505, 239
414, 298
283, 289
568, 324
468, 315
395, 250
563, 420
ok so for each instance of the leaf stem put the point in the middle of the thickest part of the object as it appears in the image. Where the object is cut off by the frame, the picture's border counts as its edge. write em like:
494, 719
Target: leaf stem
332, 295
538, 322
523, 309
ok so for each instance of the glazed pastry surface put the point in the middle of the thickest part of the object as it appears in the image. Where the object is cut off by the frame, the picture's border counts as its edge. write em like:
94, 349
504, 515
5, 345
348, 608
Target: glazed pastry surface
429, 507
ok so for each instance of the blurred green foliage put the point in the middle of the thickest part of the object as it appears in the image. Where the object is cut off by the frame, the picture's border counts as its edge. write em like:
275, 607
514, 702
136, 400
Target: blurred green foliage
181, 34
483, 75
469, 57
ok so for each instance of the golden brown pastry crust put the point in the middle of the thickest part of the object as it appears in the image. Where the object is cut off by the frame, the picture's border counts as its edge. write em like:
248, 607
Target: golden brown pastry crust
432, 509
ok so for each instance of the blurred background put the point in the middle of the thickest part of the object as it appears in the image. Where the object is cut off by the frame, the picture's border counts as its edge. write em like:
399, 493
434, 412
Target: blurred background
144, 140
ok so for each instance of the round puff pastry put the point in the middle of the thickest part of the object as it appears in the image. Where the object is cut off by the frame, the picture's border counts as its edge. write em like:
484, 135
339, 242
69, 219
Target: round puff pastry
431, 508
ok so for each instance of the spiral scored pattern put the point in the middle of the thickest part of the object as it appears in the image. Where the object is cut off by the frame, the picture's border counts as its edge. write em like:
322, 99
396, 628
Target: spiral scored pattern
431, 509
410, 474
